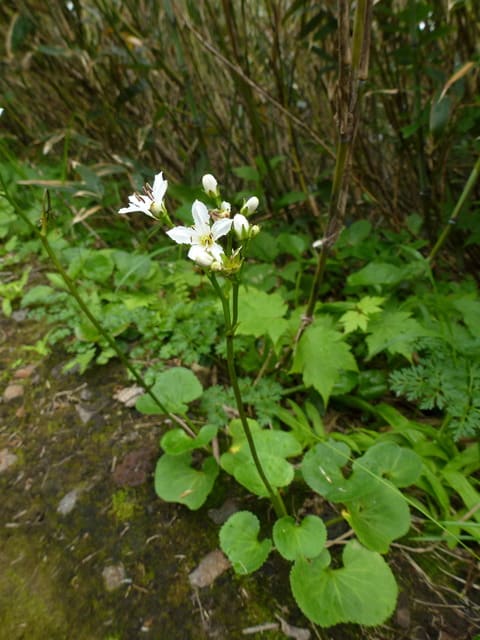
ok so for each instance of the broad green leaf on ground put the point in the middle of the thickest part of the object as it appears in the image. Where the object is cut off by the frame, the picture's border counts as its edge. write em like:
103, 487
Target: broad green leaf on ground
177, 441
175, 388
322, 469
395, 332
400, 465
305, 539
376, 273
261, 313
273, 447
379, 513
177, 481
364, 591
239, 541
322, 356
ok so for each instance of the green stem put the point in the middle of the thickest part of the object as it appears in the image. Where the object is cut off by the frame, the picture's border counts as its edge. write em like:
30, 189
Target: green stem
41, 233
230, 321
456, 212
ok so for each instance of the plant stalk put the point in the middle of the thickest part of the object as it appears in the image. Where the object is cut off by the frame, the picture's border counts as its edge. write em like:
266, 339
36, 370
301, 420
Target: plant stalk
230, 323
467, 189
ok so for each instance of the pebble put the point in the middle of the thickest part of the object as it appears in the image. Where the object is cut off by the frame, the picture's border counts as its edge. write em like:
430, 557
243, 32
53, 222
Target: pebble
210, 567
68, 502
12, 392
114, 576
7, 459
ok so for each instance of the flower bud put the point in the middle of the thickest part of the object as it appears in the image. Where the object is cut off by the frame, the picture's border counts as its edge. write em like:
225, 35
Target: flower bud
210, 184
250, 206
254, 230
241, 226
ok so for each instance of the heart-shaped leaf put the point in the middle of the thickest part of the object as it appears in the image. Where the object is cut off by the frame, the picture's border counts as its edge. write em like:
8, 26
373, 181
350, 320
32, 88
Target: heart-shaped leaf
379, 513
400, 465
322, 469
239, 541
303, 540
177, 481
175, 388
364, 591
176, 441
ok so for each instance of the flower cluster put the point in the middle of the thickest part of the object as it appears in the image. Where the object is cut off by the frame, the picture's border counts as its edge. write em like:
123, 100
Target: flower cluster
208, 225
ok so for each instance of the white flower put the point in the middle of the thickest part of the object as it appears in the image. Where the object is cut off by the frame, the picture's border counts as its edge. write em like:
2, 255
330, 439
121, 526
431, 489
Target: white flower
241, 226
204, 249
151, 201
1, 110
251, 205
226, 207
209, 184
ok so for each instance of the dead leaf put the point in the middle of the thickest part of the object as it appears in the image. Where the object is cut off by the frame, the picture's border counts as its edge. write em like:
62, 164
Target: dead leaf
210, 567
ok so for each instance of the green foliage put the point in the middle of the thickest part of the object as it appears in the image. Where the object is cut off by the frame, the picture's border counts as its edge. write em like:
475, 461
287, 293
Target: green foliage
177, 481
330, 596
175, 387
239, 541
322, 356
447, 381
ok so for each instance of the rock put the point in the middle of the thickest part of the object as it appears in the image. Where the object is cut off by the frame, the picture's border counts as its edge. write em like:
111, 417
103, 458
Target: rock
134, 469
210, 567
12, 392
7, 459
129, 395
24, 372
68, 502
114, 576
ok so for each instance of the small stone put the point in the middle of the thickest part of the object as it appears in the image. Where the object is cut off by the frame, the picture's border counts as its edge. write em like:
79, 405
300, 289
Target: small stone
114, 576
210, 567
7, 459
12, 392
129, 395
84, 414
68, 502
24, 372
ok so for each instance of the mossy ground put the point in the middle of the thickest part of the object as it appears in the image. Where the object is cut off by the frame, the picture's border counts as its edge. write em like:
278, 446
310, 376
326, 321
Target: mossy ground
68, 432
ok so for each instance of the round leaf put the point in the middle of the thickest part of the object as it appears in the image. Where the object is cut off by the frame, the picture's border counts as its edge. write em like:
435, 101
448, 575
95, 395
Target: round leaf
174, 388
239, 541
176, 481
364, 591
303, 540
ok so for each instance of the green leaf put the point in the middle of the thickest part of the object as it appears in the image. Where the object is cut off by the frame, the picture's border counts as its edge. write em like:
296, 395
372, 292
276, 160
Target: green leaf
273, 447
303, 540
376, 273
176, 481
364, 591
261, 314
322, 356
175, 388
176, 441
379, 513
239, 541
322, 470
440, 112
395, 332
400, 465
41, 294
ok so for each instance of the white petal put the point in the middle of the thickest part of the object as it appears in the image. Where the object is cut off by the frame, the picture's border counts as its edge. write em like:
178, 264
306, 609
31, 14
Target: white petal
209, 183
159, 188
252, 204
221, 228
240, 224
201, 256
217, 251
180, 235
201, 217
